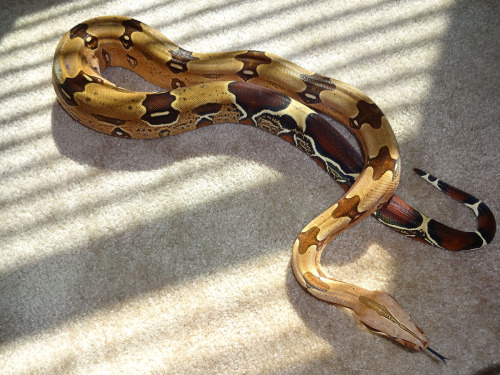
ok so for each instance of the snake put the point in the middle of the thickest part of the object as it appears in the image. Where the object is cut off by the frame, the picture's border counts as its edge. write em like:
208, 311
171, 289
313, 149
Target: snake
273, 94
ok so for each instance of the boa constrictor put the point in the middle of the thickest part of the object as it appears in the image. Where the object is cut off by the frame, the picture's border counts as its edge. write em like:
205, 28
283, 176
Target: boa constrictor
268, 92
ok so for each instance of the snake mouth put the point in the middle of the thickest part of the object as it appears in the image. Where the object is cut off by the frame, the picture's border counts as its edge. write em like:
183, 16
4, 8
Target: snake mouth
417, 345
374, 330
413, 345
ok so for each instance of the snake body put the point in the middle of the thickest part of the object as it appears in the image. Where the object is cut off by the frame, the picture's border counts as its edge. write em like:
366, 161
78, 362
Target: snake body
273, 94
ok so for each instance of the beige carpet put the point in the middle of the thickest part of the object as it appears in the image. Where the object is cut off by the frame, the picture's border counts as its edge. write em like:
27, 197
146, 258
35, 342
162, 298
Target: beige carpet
172, 256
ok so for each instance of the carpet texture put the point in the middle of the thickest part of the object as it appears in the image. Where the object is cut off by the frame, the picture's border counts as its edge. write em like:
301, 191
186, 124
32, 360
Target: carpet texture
172, 256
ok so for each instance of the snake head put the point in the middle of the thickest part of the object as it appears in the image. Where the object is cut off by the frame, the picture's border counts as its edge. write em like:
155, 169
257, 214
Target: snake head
381, 313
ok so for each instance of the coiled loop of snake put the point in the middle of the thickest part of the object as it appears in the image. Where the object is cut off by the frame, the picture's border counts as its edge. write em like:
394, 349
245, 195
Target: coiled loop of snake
253, 88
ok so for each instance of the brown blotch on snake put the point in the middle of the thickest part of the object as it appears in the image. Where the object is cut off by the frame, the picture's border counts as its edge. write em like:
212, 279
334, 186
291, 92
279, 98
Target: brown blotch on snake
251, 61
369, 113
381, 163
178, 62
307, 239
315, 85
159, 110
131, 26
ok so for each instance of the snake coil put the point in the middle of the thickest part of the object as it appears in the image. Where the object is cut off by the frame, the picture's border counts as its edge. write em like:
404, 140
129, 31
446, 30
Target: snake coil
273, 94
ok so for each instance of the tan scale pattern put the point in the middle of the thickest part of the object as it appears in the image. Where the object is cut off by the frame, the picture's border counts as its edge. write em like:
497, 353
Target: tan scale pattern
202, 83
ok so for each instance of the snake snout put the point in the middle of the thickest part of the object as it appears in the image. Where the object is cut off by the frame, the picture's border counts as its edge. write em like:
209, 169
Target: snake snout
381, 313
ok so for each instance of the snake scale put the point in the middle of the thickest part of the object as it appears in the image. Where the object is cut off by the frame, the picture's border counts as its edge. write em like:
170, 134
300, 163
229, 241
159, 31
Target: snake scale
273, 94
